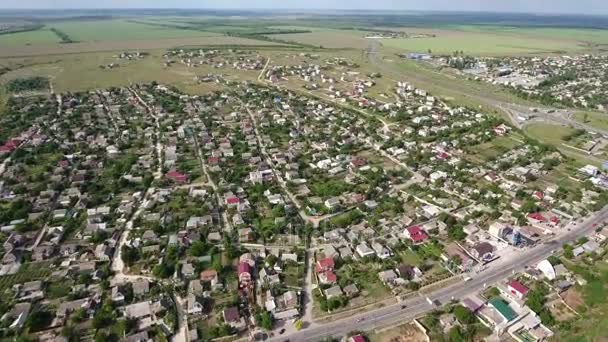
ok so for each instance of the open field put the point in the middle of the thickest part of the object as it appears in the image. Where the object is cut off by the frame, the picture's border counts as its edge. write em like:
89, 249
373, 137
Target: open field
113, 30
407, 332
483, 43
595, 119
38, 37
553, 134
593, 36
327, 38
81, 72
127, 45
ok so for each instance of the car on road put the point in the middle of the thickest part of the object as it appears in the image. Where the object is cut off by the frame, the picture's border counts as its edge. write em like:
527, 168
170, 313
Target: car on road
403, 306
282, 331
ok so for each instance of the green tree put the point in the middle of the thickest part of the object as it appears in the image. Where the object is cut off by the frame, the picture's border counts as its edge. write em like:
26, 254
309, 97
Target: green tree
463, 315
265, 320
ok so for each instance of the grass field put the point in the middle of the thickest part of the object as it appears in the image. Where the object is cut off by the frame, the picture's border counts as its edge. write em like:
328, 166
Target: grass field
483, 43
595, 119
112, 30
128, 45
39, 37
594, 36
327, 38
553, 134
81, 72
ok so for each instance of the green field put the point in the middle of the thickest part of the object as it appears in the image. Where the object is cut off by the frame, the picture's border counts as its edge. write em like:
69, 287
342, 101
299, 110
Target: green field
482, 43
28, 38
104, 30
553, 134
595, 119
582, 35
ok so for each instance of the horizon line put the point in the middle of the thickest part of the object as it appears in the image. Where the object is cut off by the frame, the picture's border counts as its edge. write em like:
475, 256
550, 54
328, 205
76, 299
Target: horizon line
301, 10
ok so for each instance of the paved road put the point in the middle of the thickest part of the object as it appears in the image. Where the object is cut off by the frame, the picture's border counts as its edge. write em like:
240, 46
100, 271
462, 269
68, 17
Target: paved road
417, 306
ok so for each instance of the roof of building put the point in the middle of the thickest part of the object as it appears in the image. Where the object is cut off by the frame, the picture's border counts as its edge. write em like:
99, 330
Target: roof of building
519, 287
503, 308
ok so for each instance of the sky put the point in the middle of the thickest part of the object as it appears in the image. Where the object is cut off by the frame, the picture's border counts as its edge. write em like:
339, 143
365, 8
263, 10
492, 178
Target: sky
530, 6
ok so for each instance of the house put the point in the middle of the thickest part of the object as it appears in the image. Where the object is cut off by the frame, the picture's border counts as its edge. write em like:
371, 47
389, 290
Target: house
517, 289
363, 250
244, 272
193, 307
381, 251
351, 290
357, 338
328, 277
187, 270
503, 308
117, 295
140, 287
324, 265
18, 315
233, 318
332, 203
334, 291
388, 276
416, 234
177, 177
405, 271
483, 251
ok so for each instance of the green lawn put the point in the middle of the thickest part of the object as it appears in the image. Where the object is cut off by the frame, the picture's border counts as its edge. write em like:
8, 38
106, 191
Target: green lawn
38, 37
105, 30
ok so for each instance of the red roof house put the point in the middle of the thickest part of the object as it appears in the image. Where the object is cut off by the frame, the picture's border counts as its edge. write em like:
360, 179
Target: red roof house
324, 265
415, 234
328, 277
232, 200
517, 289
244, 272
177, 177
537, 217
539, 195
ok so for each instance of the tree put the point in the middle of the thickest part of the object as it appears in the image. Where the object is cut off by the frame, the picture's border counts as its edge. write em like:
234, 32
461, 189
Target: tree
39, 320
298, 324
264, 320
463, 315
456, 335
104, 317
129, 255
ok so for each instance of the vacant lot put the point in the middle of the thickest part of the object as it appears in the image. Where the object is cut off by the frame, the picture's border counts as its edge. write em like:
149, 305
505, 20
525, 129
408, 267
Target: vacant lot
44, 37
408, 332
105, 30
595, 119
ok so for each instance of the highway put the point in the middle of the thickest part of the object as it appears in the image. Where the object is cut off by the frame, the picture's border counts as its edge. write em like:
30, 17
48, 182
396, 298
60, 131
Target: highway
416, 307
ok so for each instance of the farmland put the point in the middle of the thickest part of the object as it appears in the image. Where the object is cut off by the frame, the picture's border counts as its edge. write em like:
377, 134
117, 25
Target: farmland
483, 43
38, 37
328, 38
120, 30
